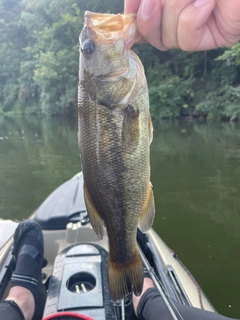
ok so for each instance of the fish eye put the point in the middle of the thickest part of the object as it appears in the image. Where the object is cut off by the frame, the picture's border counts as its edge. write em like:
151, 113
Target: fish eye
88, 47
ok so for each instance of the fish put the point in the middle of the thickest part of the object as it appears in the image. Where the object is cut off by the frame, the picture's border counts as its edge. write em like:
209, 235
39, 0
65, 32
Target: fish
114, 135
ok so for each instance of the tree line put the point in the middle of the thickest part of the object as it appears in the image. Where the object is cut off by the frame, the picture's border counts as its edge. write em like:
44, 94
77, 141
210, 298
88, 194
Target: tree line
39, 65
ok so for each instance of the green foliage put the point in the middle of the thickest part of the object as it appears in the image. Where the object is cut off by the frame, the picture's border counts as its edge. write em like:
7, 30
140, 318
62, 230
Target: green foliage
232, 55
54, 55
39, 65
39, 53
222, 104
189, 84
170, 95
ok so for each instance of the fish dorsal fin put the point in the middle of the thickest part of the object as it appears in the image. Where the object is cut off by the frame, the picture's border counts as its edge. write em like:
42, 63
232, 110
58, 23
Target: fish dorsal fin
95, 219
147, 216
130, 129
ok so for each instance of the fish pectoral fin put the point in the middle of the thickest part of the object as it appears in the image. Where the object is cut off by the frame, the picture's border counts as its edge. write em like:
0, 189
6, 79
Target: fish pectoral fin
95, 219
150, 129
147, 216
130, 129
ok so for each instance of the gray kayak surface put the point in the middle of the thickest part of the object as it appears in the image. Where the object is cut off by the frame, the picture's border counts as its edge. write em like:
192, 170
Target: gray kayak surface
7, 229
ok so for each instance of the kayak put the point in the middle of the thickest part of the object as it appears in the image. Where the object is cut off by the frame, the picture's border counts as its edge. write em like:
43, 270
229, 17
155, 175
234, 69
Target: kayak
76, 274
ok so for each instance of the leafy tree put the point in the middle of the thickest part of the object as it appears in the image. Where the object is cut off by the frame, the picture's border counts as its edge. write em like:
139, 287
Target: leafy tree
13, 40
39, 65
232, 55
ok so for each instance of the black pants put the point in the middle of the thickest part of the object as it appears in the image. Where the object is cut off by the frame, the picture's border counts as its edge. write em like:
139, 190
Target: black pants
9, 310
152, 307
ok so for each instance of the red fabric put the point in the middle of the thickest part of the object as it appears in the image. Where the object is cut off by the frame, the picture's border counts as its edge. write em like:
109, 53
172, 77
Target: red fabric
67, 314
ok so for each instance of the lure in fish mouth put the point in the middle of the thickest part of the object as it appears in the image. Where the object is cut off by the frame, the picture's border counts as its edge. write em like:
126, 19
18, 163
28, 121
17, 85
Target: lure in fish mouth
114, 134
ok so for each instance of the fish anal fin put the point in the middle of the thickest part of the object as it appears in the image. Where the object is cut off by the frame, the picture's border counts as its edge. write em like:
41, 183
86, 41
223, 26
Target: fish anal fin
130, 128
125, 278
95, 219
147, 216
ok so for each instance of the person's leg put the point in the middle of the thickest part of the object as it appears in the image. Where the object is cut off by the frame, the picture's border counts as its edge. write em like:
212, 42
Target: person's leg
27, 289
24, 299
9, 310
150, 306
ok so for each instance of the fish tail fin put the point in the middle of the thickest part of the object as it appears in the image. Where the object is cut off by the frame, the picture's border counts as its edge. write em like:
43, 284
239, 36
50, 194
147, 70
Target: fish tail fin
124, 278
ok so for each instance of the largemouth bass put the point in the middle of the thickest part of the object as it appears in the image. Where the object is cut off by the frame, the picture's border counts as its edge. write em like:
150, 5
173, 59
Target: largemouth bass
115, 132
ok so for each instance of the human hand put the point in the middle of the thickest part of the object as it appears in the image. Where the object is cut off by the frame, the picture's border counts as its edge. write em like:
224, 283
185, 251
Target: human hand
147, 283
191, 25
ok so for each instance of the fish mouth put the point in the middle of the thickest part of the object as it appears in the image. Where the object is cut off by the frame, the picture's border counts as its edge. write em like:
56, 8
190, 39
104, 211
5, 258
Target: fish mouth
108, 21
110, 27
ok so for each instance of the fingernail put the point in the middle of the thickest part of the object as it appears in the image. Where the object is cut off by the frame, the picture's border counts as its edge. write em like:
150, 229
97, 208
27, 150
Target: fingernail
147, 8
200, 3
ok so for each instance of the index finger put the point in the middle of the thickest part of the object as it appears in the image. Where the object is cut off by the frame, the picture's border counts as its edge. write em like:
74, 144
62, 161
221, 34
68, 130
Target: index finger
131, 6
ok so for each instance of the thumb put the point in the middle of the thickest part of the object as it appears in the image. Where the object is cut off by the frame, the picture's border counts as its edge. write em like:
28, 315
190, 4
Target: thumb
132, 6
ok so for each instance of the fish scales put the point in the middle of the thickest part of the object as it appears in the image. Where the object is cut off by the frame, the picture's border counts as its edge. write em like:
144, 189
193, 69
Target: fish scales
114, 135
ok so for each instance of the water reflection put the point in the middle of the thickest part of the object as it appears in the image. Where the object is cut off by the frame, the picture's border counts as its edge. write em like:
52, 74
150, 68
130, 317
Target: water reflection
195, 174
36, 155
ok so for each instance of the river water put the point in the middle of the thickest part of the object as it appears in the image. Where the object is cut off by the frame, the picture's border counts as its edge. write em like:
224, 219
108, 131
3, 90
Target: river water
196, 182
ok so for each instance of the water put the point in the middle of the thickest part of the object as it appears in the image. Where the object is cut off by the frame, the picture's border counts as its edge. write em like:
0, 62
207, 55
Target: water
196, 180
